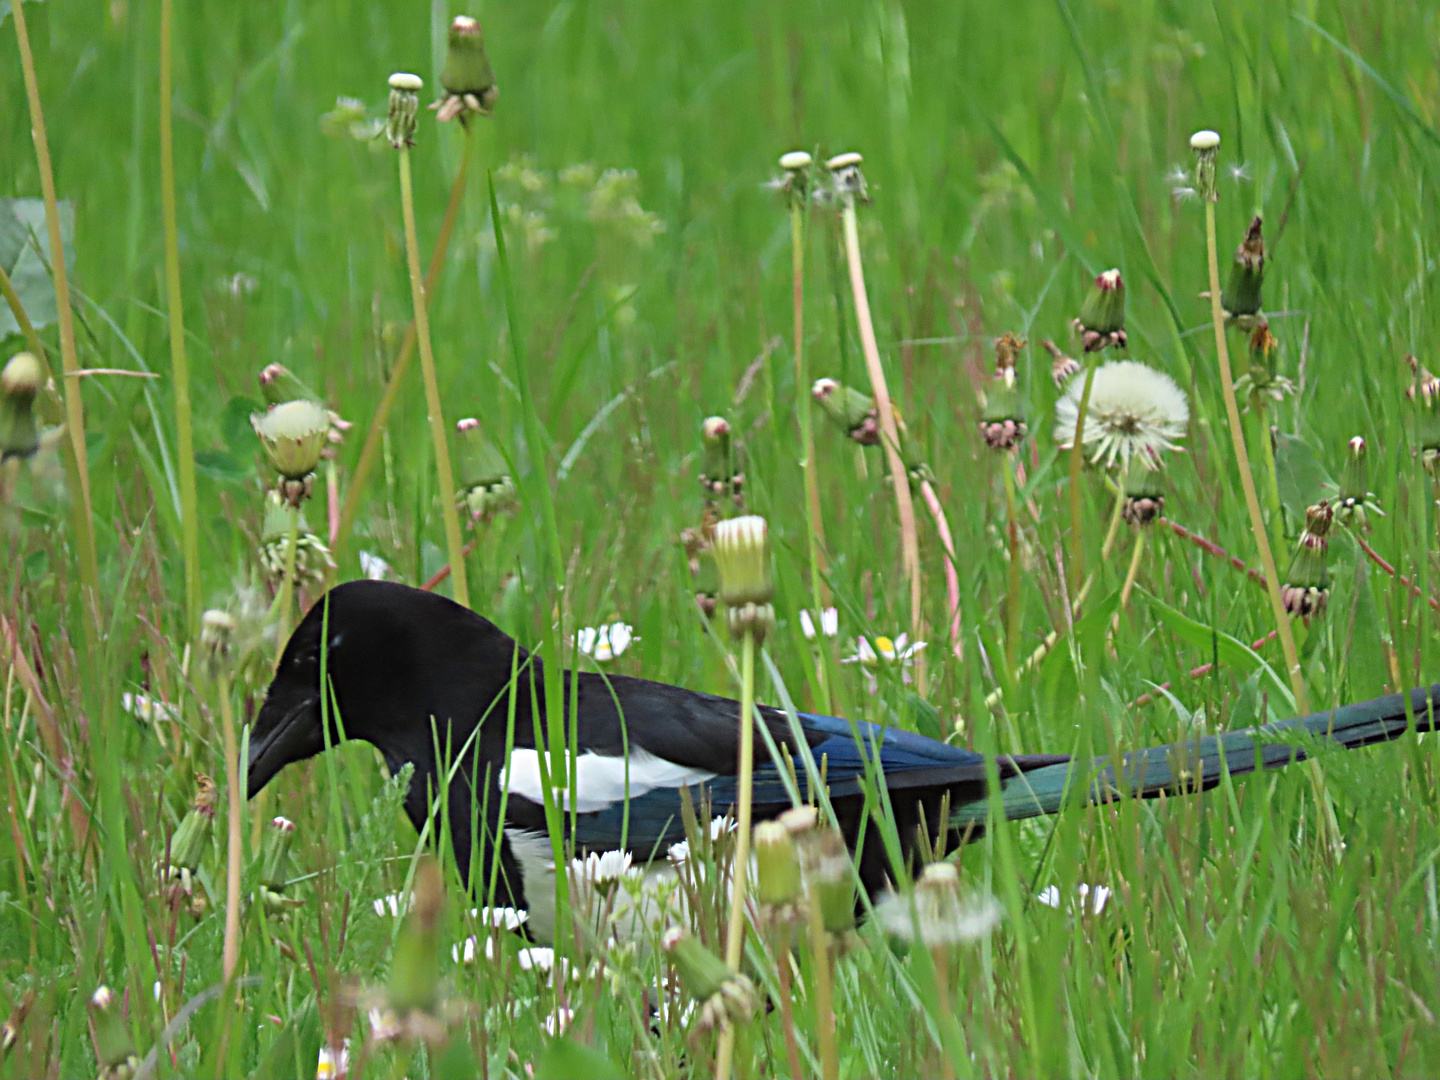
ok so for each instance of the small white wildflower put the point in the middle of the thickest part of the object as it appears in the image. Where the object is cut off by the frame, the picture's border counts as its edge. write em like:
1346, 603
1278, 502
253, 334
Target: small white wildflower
155, 990
505, 918
395, 903
466, 951
900, 651
558, 1021
1049, 896
722, 825
1098, 896
374, 567
537, 958
829, 623
602, 870
940, 916
385, 1026
1134, 411
605, 643
679, 853
147, 709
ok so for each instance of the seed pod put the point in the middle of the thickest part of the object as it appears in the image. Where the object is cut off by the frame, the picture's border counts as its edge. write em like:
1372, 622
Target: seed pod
293, 435
19, 383
1102, 316
1247, 274
1002, 412
275, 854
832, 885
1206, 145
191, 839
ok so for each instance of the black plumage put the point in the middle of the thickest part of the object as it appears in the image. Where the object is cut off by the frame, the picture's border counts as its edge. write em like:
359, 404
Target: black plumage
430, 683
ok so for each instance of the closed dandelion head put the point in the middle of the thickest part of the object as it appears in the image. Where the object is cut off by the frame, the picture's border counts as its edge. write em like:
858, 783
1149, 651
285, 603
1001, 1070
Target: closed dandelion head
19, 383
1002, 411
1101, 322
941, 916
850, 410
720, 473
1356, 500
293, 435
1306, 588
724, 995
1424, 390
1262, 382
741, 548
1144, 494
1135, 411
486, 488
400, 120
467, 80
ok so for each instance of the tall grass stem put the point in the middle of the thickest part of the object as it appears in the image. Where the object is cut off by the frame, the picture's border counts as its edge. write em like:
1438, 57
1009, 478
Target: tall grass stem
231, 953
74, 404
735, 931
179, 363
1247, 480
374, 436
284, 600
1077, 466
449, 515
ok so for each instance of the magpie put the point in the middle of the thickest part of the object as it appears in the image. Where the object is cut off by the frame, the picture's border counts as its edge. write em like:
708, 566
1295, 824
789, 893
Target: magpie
432, 684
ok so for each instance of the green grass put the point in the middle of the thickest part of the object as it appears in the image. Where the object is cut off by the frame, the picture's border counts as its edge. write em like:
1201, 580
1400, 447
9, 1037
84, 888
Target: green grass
1012, 151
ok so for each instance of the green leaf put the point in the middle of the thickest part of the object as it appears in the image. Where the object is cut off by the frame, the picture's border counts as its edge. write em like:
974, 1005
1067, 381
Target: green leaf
297, 1047
1365, 667
457, 1062
1302, 478
564, 1059
235, 426
221, 467
22, 226
1233, 653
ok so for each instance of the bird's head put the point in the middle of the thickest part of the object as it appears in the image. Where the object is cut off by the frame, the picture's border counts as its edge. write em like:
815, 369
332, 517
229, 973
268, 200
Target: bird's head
396, 658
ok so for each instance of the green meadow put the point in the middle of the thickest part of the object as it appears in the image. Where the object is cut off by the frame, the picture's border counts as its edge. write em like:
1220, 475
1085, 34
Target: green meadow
636, 280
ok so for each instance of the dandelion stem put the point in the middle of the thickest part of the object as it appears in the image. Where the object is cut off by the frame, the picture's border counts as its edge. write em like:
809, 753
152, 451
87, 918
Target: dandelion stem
180, 365
74, 405
448, 513
824, 992
952, 576
890, 435
375, 435
1213, 549
231, 954
1116, 512
1247, 480
1012, 601
1380, 561
1077, 462
287, 588
1272, 477
735, 932
787, 1005
1134, 569
814, 523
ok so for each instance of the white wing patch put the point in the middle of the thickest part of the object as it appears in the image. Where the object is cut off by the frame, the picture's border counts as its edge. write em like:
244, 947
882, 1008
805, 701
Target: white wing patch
599, 780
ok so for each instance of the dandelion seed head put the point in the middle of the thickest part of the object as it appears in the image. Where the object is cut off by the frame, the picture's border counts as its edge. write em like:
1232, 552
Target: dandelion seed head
1134, 410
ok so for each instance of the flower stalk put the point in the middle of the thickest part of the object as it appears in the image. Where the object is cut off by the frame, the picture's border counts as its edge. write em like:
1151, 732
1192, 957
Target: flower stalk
217, 631
404, 100
1206, 144
850, 186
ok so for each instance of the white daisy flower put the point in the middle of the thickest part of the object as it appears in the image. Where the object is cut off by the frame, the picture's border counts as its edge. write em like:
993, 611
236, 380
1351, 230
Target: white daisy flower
1049, 896
679, 853
1134, 411
722, 825
374, 567
333, 1064
537, 958
1096, 895
605, 643
385, 1026
467, 950
899, 650
601, 871
396, 904
829, 623
147, 709
505, 918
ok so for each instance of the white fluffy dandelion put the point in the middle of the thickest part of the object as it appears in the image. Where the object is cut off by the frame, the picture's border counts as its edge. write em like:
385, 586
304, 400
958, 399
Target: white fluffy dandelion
941, 916
1134, 411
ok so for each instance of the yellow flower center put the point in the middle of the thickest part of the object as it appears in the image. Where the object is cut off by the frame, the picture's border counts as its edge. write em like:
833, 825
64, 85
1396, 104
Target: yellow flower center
885, 647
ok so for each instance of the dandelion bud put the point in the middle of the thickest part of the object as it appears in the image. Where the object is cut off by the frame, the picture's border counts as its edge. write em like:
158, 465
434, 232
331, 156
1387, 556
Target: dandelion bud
114, 1048
19, 383
1247, 273
313, 563
720, 473
940, 916
275, 853
1144, 495
192, 838
293, 435
1355, 496
217, 637
777, 867
742, 555
1102, 315
415, 971
468, 82
832, 885
850, 410
1061, 366
404, 106
486, 488
725, 995
1307, 583
278, 384
1206, 145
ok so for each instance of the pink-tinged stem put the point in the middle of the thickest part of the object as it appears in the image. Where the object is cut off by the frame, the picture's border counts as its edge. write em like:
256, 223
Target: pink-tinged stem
952, 577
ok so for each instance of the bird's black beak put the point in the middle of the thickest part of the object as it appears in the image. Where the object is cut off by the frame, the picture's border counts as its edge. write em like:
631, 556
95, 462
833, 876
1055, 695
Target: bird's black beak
287, 730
